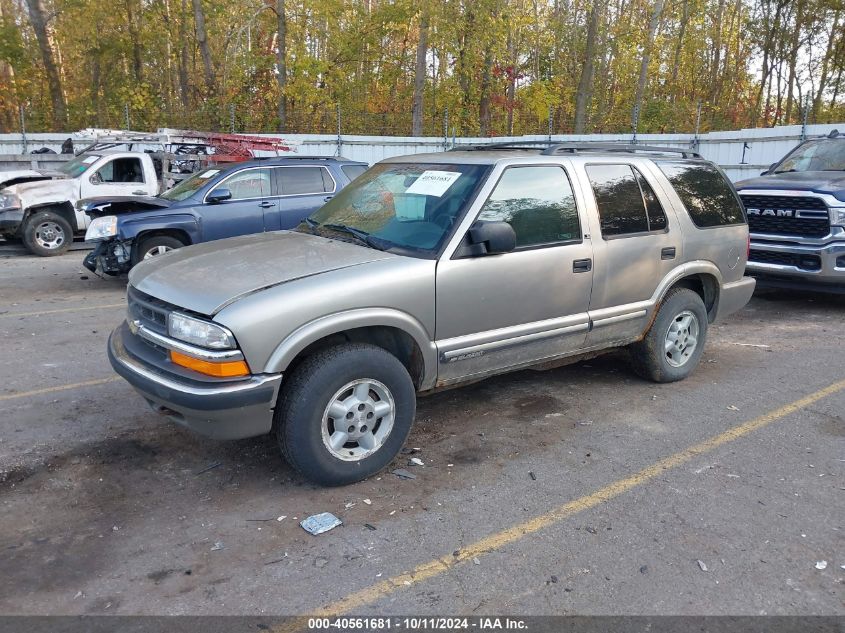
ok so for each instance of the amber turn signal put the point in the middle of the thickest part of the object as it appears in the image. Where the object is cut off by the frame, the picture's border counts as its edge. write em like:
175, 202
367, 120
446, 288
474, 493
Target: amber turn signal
224, 369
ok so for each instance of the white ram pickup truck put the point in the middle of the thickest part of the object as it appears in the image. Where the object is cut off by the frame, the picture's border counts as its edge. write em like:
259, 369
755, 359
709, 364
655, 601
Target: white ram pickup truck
39, 208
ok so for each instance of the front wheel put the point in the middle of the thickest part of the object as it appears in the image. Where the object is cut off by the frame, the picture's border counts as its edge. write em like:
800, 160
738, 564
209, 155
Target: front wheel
673, 345
46, 234
344, 413
153, 246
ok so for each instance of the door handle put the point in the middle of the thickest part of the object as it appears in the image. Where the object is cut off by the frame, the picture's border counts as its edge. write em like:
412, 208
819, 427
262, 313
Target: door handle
327, 198
265, 205
139, 192
582, 265
667, 253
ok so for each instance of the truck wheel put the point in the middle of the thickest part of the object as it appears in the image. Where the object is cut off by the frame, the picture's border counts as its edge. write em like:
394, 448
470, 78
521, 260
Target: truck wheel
154, 246
345, 413
46, 233
673, 345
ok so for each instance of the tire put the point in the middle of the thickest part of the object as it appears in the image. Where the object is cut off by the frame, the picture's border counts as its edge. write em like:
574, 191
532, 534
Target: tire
304, 425
147, 246
47, 234
664, 354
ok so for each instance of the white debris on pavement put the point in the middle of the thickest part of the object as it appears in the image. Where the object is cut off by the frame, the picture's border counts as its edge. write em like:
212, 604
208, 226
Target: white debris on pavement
822, 564
319, 523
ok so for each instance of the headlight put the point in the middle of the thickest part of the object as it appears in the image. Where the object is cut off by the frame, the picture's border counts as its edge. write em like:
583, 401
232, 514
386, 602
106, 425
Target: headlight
199, 332
9, 200
837, 216
101, 228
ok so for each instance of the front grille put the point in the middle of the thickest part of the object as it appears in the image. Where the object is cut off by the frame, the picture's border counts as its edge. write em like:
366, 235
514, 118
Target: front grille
815, 221
804, 262
149, 311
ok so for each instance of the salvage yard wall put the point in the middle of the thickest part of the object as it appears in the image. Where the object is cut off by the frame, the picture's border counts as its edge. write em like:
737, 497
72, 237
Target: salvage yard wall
741, 153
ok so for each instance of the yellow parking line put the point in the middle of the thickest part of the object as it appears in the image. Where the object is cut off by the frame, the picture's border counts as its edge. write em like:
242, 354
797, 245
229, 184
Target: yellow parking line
41, 392
61, 310
496, 541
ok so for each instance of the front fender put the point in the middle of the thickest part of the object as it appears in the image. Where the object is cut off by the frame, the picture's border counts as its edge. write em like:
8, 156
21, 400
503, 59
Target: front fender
130, 227
320, 328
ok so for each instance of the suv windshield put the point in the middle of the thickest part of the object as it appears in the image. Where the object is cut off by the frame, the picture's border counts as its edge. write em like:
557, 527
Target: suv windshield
77, 165
819, 155
189, 186
409, 206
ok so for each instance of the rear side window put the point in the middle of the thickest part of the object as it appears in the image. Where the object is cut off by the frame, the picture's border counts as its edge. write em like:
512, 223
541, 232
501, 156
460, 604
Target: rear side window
627, 204
707, 195
304, 180
353, 171
537, 202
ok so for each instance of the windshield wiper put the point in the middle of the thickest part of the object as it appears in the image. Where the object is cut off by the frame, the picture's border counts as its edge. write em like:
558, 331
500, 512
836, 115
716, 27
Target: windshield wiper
362, 236
784, 171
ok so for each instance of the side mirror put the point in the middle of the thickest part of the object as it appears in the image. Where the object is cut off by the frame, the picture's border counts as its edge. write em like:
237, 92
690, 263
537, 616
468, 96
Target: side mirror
490, 238
96, 178
218, 195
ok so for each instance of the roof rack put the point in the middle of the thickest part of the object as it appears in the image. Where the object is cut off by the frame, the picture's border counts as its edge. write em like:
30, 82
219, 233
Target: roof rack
304, 157
573, 148
515, 145
556, 149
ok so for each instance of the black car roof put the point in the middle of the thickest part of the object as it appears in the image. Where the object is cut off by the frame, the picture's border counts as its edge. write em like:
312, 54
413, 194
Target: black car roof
270, 161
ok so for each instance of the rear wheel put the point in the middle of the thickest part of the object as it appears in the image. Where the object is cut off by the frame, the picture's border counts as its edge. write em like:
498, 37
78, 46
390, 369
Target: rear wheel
672, 347
345, 413
153, 246
46, 234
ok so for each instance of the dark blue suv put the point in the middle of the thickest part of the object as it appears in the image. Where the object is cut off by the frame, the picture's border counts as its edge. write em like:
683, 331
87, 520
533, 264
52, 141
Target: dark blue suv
252, 197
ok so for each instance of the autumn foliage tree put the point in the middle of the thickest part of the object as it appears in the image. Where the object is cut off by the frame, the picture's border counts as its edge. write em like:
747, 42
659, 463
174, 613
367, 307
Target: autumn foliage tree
465, 67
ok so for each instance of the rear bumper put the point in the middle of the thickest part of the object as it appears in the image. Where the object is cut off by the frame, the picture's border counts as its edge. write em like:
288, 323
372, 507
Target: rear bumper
734, 295
221, 410
816, 265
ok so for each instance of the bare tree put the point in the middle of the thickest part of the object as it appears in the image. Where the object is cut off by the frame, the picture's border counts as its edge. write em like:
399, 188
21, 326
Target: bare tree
202, 41
585, 84
647, 47
49, 57
281, 62
419, 77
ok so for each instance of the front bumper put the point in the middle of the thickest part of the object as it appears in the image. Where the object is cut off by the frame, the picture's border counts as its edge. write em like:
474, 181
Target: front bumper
825, 264
10, 221
109, 257
221, 409
734, 295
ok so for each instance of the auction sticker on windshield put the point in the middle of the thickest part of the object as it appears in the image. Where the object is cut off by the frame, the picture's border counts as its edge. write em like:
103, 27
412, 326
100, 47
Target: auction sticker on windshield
433, 182
208, 174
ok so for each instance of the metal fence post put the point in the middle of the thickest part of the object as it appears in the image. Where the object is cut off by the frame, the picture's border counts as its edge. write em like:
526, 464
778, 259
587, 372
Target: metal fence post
445, 129
635, 121
339, 141
23, 130
550, 124
232, 117
804, 118
126, 116
695, 140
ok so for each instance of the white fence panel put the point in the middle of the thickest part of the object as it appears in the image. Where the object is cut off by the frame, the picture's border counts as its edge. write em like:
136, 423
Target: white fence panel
762, 146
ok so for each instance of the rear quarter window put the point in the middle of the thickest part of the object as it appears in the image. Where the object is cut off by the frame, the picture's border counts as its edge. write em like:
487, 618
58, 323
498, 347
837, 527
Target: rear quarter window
706, 193
353, 171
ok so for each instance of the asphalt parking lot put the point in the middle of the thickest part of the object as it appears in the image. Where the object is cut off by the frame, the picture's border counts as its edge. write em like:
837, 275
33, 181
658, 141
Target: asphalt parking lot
580, 490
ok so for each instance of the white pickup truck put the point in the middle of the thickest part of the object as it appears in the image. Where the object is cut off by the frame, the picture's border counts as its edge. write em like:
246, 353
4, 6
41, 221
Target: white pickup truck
39, 208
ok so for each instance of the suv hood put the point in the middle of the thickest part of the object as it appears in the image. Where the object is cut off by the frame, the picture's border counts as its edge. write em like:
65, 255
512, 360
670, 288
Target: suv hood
10, 178
829, 182
118, 205
207, 277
